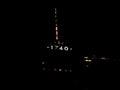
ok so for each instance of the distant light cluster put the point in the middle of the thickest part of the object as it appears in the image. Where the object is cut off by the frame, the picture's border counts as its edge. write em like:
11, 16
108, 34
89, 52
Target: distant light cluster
54, 69
103, 58
87, 59
90, 59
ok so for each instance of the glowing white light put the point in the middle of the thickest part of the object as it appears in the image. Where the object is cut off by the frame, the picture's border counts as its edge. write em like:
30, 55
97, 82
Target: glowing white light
85, 57
52, 47
61, 48
70, 70
56, 25
66, 48
56, 33
70, 48
88, 60
103, 58
56, 28
56, 37
43, 62
55, 10
60, 70
48, 47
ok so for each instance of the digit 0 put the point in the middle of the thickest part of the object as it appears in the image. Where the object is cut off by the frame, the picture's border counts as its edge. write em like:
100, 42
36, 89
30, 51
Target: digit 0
66, 48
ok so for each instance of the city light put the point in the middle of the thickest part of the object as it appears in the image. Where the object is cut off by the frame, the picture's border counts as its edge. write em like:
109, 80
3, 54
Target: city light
103, 58
86, 57
55, 70
70, 70
87, 60
43, 62
60, 70
70, 48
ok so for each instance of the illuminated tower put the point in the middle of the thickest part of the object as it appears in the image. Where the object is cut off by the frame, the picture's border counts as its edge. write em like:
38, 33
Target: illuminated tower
57, 44
58, 54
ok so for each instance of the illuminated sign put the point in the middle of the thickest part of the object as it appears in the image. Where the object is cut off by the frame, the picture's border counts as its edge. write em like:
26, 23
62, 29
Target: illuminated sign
59, 47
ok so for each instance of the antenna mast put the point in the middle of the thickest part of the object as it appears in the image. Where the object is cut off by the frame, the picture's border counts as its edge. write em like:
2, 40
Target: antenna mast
56, 25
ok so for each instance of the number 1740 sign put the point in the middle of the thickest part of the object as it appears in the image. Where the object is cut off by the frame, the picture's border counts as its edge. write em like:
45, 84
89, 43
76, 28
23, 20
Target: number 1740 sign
56, 47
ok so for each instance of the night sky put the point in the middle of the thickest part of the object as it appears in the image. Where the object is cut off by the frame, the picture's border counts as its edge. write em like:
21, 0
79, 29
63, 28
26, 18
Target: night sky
90, 29
84, 28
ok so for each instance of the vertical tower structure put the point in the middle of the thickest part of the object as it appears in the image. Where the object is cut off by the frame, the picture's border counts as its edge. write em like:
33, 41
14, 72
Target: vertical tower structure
57, 44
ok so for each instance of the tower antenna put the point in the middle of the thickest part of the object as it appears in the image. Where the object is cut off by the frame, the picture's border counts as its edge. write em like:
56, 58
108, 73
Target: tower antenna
56, 25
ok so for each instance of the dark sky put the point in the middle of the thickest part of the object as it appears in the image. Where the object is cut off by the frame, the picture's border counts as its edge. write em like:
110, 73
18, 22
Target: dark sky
91, 28
85, 27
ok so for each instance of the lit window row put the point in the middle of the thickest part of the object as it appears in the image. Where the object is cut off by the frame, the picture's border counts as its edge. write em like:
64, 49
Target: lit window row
56, 70
103, 58
89, 59
86, 57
